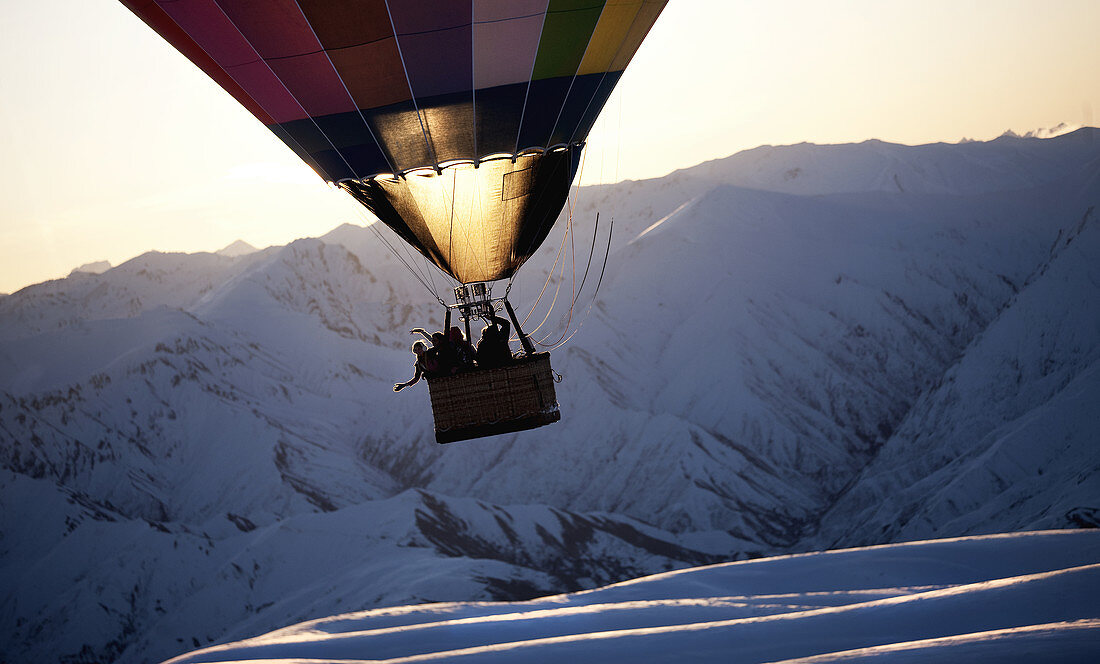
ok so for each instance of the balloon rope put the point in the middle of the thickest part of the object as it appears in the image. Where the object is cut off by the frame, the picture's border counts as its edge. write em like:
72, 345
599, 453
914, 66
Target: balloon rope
606, 253
588, 309
428, 265
568, 319
573, 286
573, 258
591, 253
527, 93
584, 156
535, 237
473, 78
420, 118
408, 266
340, 78
282, 132
596, 89
547, 282
561, 277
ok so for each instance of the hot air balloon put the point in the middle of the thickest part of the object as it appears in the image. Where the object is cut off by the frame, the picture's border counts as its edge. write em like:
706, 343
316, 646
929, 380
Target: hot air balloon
458, 124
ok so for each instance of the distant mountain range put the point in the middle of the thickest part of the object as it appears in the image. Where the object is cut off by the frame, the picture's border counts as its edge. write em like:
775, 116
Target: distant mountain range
793, 348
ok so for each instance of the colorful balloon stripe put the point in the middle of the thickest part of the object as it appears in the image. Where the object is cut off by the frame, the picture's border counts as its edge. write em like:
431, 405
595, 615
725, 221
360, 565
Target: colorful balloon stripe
362, 87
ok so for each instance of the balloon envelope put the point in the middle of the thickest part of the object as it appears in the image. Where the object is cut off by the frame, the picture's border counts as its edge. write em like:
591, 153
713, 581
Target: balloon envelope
367, 88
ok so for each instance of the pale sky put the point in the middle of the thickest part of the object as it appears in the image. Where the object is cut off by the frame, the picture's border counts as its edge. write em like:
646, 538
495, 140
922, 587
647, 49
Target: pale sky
114, 144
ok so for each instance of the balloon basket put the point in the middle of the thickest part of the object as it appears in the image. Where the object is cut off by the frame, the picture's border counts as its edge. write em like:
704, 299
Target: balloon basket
489, 402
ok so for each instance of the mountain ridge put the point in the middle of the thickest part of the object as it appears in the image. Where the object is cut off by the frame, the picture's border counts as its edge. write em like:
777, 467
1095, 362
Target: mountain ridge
759, 359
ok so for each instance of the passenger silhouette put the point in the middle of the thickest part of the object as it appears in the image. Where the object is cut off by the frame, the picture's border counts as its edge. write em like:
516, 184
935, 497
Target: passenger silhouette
493, 349
425, 364
465, 353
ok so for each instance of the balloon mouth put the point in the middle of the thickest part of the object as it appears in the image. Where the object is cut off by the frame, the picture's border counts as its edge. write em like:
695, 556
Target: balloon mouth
475, 221
437, 169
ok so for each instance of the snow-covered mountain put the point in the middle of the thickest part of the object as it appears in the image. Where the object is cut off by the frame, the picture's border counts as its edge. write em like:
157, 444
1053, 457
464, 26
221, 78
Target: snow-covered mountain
1026, 597
237, 248
95, 267
793, 348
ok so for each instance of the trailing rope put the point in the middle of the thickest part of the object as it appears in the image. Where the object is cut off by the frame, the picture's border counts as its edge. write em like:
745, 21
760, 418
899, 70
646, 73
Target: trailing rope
595, 293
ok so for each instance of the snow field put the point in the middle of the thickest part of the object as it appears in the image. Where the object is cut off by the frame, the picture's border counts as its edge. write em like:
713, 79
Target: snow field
993, 598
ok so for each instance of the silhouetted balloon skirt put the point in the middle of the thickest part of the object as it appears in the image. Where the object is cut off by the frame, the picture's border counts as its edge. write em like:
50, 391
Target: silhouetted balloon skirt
488, 402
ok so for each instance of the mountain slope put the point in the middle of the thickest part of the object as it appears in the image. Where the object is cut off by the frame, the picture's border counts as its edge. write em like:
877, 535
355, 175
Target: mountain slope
774, 352
1019, 598
977, 453
199, 447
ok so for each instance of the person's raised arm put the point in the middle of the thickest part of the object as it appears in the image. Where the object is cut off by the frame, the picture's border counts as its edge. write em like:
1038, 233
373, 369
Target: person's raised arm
505, 326
397, 387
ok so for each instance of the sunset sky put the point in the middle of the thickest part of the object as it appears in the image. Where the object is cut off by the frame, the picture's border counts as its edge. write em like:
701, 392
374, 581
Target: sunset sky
114, 144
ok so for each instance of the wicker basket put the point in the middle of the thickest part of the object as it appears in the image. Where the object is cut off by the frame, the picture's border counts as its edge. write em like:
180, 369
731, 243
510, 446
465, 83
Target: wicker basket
487, 402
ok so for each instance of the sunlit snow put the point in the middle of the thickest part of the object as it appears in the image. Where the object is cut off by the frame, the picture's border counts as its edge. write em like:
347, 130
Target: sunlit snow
793, 349
1012, 598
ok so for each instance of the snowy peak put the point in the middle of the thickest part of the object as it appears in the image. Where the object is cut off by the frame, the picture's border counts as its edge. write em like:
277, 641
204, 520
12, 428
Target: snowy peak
97, 267
144, 283
1045, 132
1007, 163
310, 279
237, 248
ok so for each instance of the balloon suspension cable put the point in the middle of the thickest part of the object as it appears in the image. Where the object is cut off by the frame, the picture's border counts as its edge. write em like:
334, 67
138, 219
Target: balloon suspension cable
610, 233
571, 202
567, 319
544, 285
579, 289
553, 303
595, 293
427, 264
591, 252
412, 93
595, 230
408, 259
373, 226
476, 300
549, 277
535, 241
